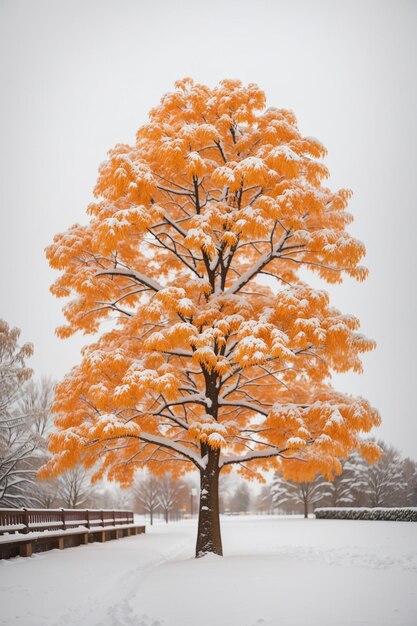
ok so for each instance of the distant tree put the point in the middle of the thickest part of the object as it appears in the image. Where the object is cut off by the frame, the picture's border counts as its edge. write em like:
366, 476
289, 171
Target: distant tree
169, 491
35, 402
389, 482
145, 490
347, 487
17, 445
410, 479
111, 496
386, 484
206, 366
264, 502
121, 498
24, 426
298, 493
45, 493
241, 499
227, 485
74, 487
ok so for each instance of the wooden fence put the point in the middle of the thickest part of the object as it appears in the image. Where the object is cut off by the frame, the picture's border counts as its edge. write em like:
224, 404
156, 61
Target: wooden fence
29, 520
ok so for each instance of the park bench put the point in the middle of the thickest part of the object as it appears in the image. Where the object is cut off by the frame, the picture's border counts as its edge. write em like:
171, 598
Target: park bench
24, 531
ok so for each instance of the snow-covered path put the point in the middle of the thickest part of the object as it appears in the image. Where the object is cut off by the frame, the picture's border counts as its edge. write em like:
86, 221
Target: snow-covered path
86, 585
277, 571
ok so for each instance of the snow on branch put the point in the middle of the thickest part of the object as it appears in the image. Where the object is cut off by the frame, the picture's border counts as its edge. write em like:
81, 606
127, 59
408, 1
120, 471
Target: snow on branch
271, 451
140, 278
183, 451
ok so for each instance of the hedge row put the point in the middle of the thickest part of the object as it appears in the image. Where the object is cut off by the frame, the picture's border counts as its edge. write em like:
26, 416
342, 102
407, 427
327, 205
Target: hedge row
403, 514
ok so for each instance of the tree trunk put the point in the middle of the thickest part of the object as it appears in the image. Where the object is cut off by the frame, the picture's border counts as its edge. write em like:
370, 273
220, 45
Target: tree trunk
208, 535
305, 508
166, 516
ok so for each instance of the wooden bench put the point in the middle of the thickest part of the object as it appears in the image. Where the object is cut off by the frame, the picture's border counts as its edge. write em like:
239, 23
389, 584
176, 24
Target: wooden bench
25, 531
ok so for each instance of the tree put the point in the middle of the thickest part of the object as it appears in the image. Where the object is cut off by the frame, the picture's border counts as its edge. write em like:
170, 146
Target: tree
264, 501
298, 492
386, 483
112, 497
205, 366
240, 500
390, 482
45, 493
74, 487
168, 493
228, 484
345, 488
35, 402
17, 446
410, 479
146, 492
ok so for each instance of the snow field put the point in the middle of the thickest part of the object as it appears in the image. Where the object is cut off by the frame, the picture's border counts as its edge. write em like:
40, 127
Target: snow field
277, 571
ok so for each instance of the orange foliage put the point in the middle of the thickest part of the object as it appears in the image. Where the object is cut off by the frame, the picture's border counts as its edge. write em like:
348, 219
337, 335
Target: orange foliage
216, 191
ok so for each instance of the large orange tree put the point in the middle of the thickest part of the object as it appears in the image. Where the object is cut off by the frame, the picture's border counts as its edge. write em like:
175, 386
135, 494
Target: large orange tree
203, 363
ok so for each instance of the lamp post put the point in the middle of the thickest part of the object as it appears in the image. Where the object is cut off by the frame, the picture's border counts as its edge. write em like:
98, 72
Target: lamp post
192, 494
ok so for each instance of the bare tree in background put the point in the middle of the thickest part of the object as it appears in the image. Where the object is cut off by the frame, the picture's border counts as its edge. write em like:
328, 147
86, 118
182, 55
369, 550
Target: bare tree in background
45, 493
25, 423
296, 493
228, 485
17, 446
35, 402
264, 502
145, 490
349, 487
386, 484
241, 499
169, 491
410, 479
74, 487
390, 482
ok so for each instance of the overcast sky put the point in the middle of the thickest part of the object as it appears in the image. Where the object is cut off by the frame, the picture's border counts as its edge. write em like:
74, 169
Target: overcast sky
78, 77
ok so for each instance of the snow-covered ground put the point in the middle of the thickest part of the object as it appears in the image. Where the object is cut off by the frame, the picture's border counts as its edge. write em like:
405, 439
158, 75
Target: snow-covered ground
276, 572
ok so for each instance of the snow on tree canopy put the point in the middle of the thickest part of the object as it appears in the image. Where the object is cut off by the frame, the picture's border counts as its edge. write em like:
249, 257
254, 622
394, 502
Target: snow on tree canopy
215, 192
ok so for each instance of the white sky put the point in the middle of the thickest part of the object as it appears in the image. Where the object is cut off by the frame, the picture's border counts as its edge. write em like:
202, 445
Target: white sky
79, 77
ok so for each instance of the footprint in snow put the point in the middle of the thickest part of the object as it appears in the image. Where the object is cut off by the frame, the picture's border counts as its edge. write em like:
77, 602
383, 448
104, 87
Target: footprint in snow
123, 615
